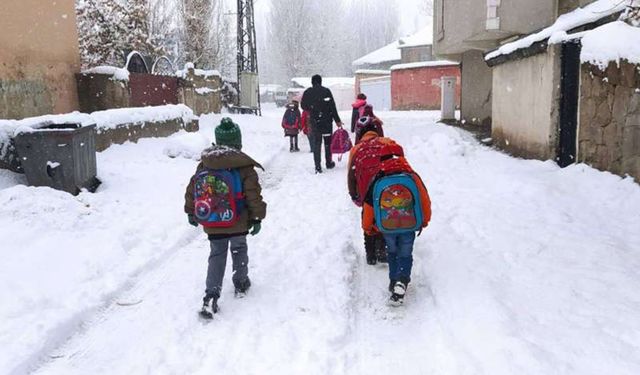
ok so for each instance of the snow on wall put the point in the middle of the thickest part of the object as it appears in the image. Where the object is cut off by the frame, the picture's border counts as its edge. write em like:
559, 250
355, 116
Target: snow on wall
611, 42
579, 17
198, 72
108, 119
118, 74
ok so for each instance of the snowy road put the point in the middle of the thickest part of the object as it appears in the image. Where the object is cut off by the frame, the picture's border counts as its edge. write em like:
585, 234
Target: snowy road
526, 269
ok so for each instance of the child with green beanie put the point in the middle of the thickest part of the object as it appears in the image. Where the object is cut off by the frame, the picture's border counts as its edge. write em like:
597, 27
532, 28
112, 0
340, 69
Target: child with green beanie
224, 196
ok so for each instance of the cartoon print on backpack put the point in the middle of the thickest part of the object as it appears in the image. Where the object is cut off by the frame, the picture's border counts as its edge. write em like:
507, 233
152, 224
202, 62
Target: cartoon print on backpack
217, 198
396, 208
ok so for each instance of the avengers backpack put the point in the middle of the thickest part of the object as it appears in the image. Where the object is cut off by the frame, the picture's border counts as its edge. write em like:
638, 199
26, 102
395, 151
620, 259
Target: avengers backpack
218, 198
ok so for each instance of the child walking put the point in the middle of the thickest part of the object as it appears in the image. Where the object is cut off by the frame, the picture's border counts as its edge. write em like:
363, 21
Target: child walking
291, 123
224, 196
395, 203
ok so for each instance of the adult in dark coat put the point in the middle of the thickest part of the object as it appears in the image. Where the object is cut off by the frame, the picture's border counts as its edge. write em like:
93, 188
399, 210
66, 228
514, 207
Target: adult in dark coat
318, 100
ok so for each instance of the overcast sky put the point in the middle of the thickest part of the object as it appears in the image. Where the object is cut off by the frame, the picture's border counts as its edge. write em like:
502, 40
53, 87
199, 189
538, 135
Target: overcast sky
413, 19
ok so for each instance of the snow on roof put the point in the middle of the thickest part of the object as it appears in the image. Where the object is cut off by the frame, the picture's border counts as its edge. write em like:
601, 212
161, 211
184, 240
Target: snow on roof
118, 74
373, 71
326, 81
423, 37
390, 52
611, 42
424, 64
579, 17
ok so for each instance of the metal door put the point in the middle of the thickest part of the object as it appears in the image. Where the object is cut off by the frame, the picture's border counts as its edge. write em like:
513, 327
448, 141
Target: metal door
569, 92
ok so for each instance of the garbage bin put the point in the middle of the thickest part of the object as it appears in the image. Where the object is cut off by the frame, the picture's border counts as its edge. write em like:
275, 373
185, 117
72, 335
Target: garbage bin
61, 156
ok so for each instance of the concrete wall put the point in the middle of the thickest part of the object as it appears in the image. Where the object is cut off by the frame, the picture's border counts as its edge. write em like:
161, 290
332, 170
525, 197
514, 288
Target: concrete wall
419, 88
526, 105
609, 130
416, 54
461, 25
38, 58
477, 81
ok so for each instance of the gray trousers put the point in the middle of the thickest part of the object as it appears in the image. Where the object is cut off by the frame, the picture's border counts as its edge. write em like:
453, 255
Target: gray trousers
218, 263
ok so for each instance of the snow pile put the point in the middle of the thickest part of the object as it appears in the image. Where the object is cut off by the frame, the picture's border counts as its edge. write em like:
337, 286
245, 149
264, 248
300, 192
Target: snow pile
118, 74
611, 42
198, 72
186, 145
424, 64
566, 22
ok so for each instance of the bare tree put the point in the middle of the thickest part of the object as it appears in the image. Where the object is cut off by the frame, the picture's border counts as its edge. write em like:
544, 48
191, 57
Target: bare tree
206, 34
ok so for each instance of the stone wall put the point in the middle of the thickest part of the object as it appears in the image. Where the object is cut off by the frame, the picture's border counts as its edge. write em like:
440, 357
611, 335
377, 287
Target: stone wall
133, 132
38, 58
609, 130
200, 93
525, 103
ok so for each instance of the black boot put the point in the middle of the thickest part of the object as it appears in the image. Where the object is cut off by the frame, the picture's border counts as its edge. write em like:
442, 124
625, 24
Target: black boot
381, 249
331, 164
209, 306
242, 288
397, 295
318, 170
370, 249
392, 283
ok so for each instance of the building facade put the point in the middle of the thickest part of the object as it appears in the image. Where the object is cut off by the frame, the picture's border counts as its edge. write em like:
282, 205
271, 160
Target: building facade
465, 29
39, 58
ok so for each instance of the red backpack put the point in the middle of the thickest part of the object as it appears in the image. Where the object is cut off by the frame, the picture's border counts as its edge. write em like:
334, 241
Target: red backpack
376, 157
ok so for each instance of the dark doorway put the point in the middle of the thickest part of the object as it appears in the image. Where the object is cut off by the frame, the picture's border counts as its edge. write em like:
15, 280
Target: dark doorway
569, 92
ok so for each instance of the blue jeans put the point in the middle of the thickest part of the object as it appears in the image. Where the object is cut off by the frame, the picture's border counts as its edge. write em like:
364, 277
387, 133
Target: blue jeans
400, 255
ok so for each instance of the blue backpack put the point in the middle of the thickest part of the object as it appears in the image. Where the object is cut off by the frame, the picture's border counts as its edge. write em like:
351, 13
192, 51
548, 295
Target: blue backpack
218, 198
396, 204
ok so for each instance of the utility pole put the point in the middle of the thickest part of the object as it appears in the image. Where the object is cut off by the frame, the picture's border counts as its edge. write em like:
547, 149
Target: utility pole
248, 58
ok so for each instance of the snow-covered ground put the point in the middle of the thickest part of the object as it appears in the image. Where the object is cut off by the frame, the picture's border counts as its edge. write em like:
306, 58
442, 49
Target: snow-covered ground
526, 268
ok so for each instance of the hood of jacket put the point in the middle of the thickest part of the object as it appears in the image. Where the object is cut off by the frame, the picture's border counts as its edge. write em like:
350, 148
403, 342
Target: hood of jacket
224, 157
359, 103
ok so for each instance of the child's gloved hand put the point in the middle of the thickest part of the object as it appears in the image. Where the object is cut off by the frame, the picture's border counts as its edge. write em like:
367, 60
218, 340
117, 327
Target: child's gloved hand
354, 197
254, 227
192, 220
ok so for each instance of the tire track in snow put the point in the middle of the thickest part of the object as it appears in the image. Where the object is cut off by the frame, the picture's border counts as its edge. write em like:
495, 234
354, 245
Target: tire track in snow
272, 309
80, 323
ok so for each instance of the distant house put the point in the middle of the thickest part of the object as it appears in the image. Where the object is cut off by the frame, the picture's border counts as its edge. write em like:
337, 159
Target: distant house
571, 91
391, 80
39, 54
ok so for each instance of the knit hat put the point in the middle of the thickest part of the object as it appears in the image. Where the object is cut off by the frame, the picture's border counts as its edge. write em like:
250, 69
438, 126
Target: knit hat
228, 134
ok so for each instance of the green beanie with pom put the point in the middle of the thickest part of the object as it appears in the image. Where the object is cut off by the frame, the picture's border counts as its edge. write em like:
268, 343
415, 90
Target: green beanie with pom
228, 134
